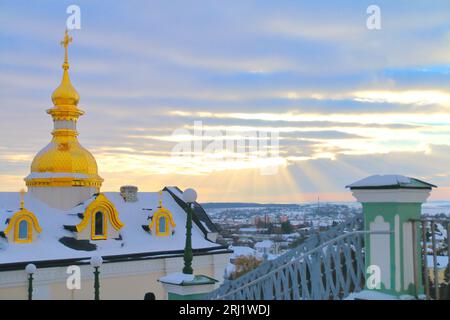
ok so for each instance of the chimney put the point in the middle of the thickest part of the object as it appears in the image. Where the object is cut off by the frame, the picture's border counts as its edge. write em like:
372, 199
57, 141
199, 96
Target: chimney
129, 193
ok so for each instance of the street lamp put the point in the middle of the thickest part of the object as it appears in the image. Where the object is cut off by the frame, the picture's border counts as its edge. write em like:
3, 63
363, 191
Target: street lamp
96, 262
189, 196
30, 269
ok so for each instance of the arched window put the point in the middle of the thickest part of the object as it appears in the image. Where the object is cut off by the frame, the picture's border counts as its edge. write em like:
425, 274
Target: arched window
23, 230
99, 226
162, 224
22, 224
22, 233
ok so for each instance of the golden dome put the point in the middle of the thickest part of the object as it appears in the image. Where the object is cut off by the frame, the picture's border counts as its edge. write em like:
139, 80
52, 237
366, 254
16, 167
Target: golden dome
64, 162
65, 94
65, 156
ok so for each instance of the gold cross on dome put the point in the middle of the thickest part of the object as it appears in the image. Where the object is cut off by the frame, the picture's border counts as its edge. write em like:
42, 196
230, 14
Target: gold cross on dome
65, 43
67, 39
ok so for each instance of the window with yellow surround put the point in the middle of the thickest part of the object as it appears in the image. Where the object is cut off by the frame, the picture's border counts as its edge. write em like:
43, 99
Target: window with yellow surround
162, 223
99, 225
23, 226
23, 231
103, 219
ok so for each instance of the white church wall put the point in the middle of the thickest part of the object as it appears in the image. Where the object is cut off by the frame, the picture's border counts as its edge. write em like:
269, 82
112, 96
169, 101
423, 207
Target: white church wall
119, 280
63, 197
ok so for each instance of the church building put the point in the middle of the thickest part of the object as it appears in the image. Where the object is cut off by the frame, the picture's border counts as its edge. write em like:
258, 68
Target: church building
64, 219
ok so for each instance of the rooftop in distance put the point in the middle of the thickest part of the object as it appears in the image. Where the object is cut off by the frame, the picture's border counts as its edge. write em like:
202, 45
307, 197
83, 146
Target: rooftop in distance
390, 181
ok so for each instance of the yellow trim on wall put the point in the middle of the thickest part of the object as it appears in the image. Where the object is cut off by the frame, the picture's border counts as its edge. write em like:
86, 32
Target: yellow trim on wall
101, 203
23, 214
95, 182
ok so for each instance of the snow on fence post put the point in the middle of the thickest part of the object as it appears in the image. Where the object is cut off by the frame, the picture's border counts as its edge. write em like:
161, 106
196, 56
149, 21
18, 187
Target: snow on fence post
181, 286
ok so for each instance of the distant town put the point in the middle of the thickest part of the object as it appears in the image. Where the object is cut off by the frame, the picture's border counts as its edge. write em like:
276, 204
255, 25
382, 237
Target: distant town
257, 232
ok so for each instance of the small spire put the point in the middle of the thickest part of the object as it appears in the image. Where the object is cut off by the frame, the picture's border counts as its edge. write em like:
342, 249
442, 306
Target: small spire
22, 199
65, 96
160, 199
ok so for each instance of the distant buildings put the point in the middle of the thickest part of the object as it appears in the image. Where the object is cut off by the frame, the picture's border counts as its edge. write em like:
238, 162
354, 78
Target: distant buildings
261, 220
265, 247
266, 232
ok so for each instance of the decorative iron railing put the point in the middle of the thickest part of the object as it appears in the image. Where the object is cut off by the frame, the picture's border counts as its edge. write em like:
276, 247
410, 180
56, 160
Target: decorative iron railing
328, 265
435, 254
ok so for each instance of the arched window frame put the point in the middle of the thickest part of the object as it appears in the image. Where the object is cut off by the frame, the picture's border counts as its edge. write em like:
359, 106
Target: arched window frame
170, 224
12, 230
104, 212
29, 222
101, 203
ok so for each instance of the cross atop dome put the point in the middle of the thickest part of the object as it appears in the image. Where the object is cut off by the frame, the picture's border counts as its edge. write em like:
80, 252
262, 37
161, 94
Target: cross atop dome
65, 43
65, 96
64, 173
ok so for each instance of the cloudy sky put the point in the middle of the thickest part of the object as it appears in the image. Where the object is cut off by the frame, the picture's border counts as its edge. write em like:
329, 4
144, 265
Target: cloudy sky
345, 101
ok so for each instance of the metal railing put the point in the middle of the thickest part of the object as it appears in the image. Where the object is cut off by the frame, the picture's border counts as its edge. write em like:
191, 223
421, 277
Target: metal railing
329, 265
435, 246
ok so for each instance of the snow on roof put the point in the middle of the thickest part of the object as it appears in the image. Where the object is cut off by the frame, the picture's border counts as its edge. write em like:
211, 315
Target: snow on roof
389, 180
205, 226
373, 295
200, 213
177, 278
176, 191
134, 239
242, 251
264, 244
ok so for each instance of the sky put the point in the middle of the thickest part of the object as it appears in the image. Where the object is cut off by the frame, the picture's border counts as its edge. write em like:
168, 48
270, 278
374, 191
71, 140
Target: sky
343, 101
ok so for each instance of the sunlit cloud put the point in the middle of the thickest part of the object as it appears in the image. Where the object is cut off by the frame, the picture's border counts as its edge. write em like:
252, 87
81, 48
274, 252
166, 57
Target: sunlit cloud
344, 101
405, 97
362, 118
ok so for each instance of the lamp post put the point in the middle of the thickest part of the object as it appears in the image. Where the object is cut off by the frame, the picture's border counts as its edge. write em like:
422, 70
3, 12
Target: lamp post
96, 262
30, 269
189, 196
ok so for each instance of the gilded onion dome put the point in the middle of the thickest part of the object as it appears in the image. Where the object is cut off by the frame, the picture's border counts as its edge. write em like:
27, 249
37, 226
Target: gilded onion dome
64, 162
65, 94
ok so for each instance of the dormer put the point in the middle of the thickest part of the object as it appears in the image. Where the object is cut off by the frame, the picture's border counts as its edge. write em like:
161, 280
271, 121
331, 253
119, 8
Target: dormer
162, 223
100, 221
23, 226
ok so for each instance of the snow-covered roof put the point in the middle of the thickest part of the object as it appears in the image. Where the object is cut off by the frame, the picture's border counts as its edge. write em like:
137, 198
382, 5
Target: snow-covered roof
264, 244
390, 181
375, 295
201, 217
179, 278
176, 191
134, 240
242, 251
